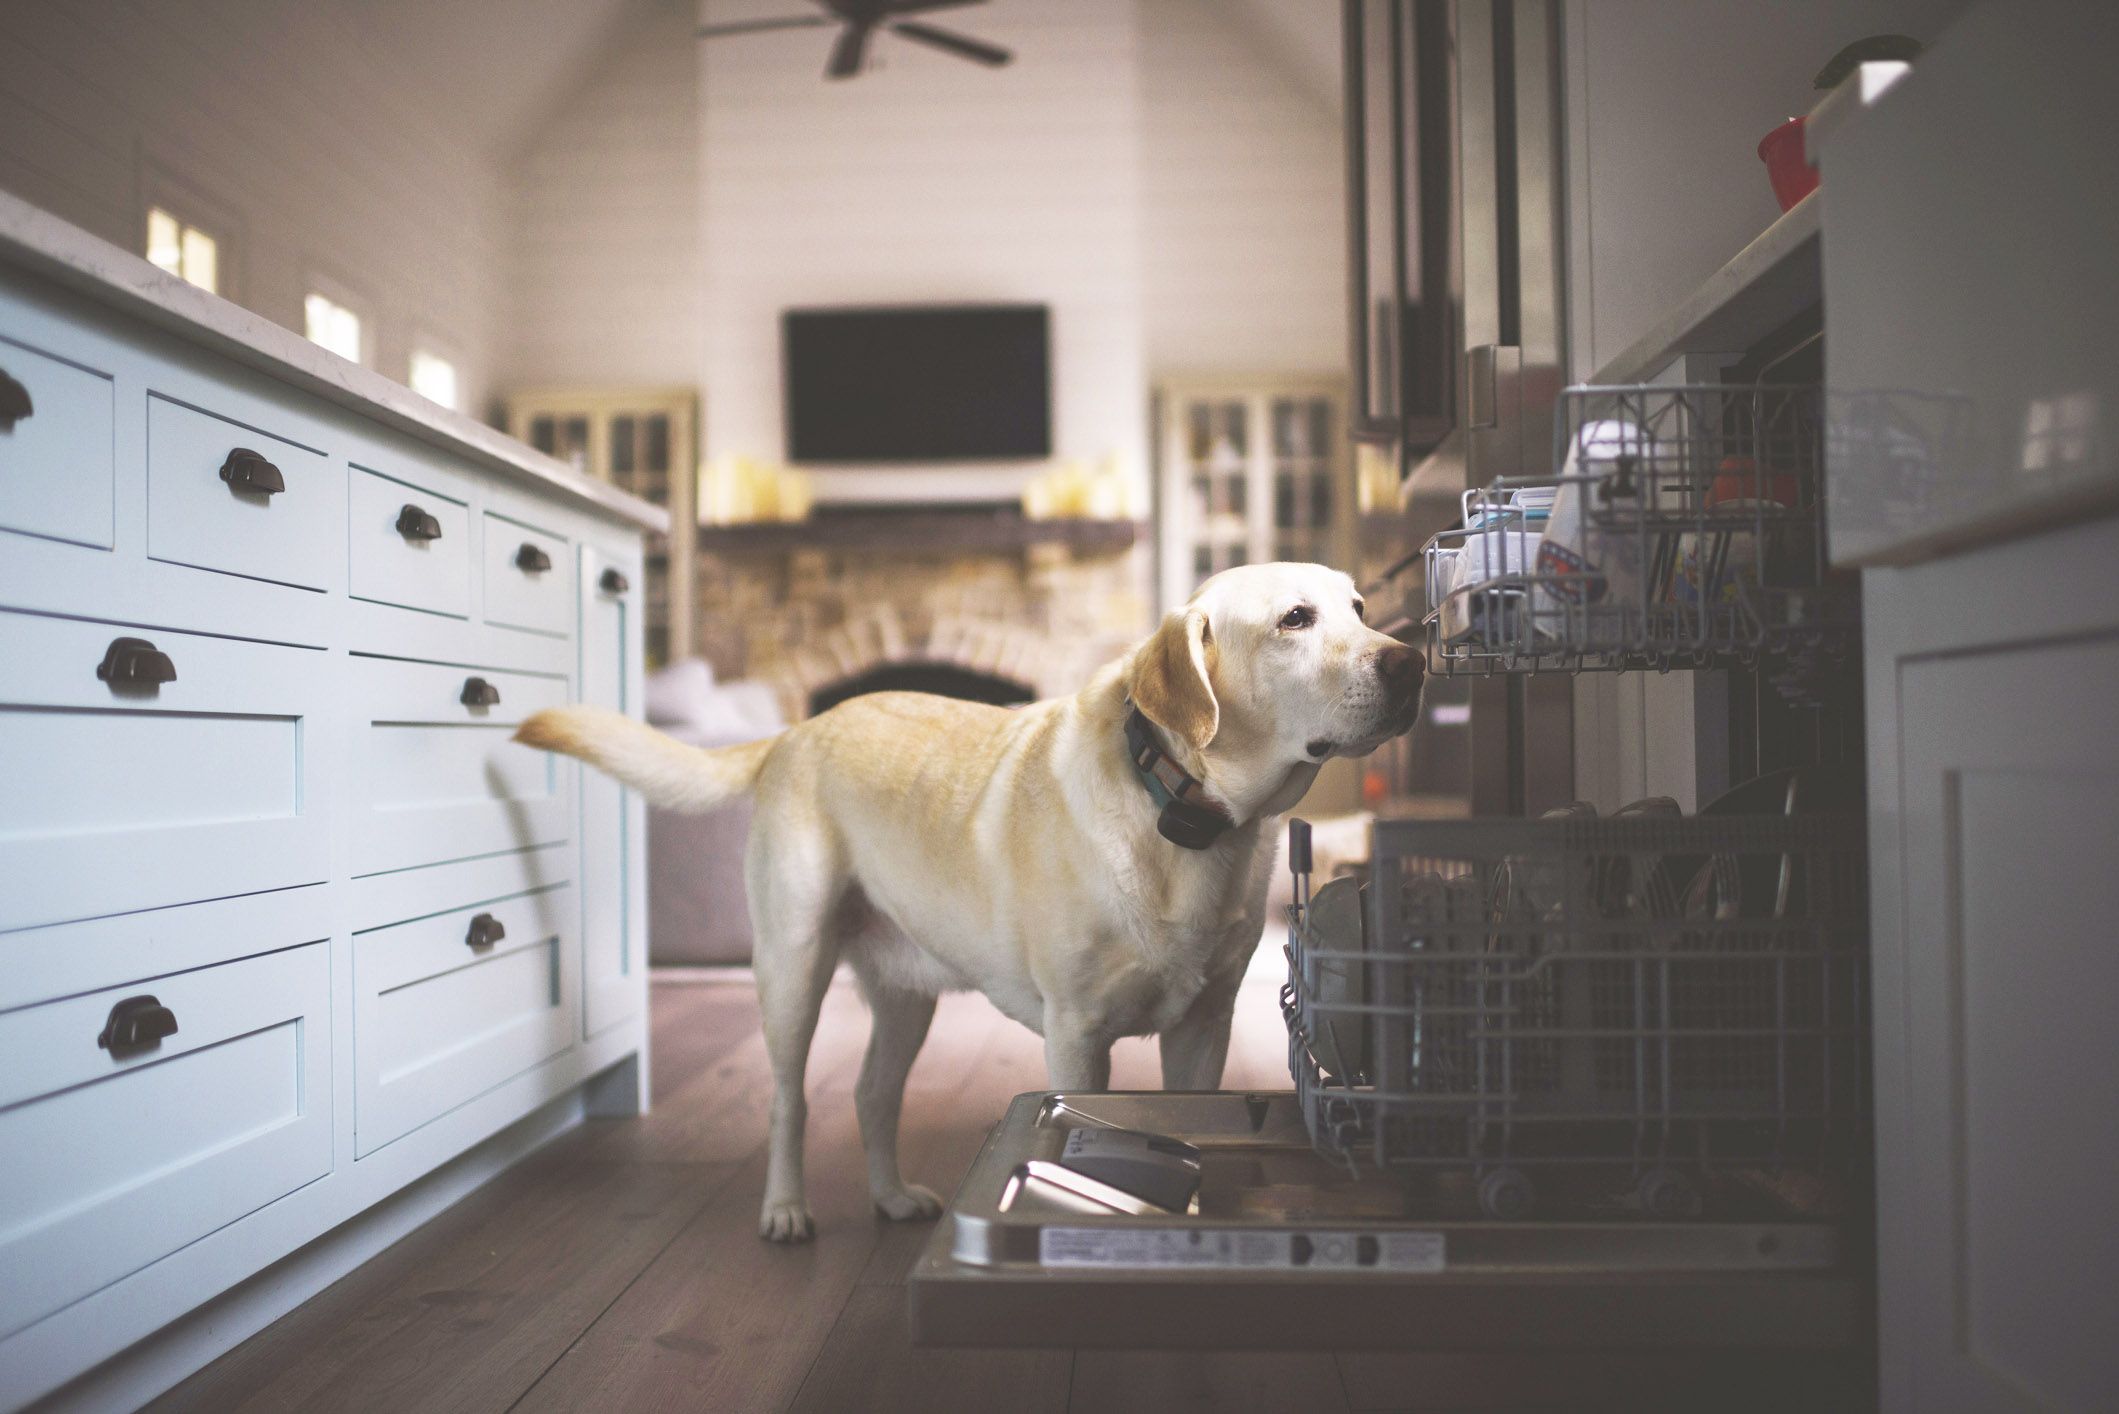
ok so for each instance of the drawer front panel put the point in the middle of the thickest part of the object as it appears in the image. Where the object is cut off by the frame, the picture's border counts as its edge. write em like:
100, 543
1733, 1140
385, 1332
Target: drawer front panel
439, 780
58, 466
195, 516
124, 798
108, 1164
380, 900
520, 595
411, 570
437, 1021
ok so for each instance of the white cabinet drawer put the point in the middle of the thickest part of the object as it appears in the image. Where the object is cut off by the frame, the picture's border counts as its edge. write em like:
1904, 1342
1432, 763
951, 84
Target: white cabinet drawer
529, 577
446, 1007
437, 779
58, 466
110, 1162
210, 501
410, 544
121, 797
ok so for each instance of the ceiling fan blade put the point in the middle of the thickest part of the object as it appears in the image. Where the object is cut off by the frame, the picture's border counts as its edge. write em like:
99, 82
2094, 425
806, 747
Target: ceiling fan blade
760, 26
951, 42
847, 54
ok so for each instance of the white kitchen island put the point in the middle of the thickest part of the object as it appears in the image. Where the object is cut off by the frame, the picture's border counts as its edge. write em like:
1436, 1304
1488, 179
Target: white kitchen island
296, 946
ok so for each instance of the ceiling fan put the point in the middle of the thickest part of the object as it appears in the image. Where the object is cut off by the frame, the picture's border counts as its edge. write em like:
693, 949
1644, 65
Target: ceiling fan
858, 20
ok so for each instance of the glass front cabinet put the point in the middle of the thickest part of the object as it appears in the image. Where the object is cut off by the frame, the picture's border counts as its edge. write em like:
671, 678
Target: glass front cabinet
1251, 473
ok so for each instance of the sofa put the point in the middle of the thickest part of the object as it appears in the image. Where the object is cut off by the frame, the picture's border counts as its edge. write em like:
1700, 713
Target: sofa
697, 911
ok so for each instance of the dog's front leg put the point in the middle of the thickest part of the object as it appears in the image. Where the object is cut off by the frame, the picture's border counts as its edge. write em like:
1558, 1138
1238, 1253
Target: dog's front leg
1077, 1057
1197, 1047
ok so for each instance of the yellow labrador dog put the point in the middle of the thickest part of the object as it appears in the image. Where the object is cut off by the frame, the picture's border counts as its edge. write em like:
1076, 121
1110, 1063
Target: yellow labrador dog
1096, 865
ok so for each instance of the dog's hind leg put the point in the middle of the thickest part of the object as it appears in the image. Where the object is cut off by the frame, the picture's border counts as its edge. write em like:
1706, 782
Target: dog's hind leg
794, 885
901, 1018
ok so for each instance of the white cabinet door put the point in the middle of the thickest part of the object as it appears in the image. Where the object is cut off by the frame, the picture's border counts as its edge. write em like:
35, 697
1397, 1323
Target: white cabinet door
613, 819
2008, 1226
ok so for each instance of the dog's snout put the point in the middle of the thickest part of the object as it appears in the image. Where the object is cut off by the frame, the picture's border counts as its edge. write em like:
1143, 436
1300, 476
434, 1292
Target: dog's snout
1401, 669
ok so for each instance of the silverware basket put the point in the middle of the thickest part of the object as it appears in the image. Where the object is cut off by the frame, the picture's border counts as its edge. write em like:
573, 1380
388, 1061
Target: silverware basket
1682, 527
1617, 1013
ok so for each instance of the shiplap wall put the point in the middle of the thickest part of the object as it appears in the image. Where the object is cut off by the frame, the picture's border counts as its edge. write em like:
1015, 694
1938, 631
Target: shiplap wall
278, 123
1243, 205
929, 179
1200, 220
603, 270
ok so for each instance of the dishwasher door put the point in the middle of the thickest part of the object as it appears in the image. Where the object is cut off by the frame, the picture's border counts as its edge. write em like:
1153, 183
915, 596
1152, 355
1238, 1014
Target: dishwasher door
1289, 1250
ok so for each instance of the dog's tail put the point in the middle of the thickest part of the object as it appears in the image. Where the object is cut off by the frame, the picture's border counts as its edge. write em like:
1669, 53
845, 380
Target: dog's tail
671, 775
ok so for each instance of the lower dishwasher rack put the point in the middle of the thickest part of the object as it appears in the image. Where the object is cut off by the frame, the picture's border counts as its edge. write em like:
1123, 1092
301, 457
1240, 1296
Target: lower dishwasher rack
1290, 1250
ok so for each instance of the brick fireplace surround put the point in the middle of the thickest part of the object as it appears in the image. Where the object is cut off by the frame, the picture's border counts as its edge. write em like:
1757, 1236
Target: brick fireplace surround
1036, 606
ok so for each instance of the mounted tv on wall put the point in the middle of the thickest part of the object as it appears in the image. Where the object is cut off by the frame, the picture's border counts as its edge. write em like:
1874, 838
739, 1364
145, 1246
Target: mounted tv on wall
926, 383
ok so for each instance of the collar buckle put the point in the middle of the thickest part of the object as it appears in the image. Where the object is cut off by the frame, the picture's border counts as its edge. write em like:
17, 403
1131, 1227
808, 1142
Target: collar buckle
1188, 820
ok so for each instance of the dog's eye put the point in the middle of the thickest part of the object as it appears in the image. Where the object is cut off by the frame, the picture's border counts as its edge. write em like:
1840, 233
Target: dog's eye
1301, 616
1361, 610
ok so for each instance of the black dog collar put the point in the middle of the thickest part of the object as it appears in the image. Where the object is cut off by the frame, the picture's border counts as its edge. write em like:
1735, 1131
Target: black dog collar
1188, 820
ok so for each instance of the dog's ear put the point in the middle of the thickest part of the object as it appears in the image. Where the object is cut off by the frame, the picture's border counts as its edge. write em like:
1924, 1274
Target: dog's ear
1170, 684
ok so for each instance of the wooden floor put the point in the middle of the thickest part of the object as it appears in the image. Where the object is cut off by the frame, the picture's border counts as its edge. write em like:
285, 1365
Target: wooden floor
620, 1268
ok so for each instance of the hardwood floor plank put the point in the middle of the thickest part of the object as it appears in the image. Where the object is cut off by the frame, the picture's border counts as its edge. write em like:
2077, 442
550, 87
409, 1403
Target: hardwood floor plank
869, 1364
1232, 1382
470, 1309
691, 1027
719, 1115
721, 1319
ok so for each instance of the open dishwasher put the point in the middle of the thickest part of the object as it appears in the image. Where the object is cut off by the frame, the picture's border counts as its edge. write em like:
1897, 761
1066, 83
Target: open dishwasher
1558, 1084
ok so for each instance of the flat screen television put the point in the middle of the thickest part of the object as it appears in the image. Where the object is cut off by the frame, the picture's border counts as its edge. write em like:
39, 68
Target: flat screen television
929, 383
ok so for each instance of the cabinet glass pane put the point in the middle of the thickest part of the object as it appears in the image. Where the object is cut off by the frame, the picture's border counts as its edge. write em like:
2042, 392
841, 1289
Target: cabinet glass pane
656, 455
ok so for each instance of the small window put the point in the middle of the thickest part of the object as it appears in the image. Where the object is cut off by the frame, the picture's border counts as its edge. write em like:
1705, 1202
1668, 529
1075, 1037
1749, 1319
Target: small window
331, 324
433, 377
184, 251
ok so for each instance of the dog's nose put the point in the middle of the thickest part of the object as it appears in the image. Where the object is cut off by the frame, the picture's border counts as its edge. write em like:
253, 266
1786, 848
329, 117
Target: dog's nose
1401, 669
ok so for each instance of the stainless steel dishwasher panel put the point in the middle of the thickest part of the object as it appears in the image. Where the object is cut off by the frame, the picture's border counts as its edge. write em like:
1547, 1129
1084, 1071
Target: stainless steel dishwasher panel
1289, 1250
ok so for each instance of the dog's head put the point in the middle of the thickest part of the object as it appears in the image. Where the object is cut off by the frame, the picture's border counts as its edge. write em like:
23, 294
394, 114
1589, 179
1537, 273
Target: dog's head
1272, 663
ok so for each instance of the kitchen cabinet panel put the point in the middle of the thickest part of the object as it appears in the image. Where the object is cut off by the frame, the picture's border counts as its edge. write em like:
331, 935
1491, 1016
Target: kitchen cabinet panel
613, 819
2009, 777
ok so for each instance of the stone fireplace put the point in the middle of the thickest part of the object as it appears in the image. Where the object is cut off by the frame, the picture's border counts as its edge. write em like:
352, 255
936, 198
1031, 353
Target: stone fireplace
977, 603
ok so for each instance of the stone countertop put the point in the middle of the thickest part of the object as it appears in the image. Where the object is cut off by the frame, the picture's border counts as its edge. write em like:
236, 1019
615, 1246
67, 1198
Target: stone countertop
43, 245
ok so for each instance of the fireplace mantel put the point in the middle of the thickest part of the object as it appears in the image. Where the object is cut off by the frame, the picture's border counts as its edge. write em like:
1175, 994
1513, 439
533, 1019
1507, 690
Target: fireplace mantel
969, 530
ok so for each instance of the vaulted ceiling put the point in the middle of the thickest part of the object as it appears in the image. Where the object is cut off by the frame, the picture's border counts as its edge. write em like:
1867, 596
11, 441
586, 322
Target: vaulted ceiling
491, 70
488, 70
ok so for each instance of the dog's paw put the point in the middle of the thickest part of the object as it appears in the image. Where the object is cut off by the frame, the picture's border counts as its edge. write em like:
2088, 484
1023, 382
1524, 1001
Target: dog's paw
907, 1202
786, 1222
